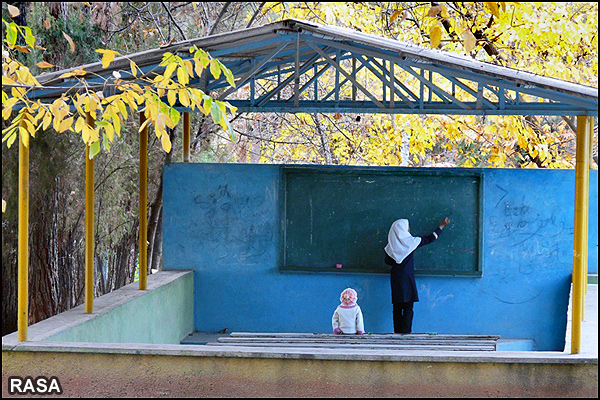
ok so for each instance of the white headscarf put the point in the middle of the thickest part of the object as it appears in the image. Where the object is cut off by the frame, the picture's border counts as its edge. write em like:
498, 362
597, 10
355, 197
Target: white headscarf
400, 242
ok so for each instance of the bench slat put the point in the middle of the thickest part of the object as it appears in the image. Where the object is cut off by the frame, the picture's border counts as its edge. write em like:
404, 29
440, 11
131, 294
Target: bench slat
355, 341
379, 335
412, 341
365, 346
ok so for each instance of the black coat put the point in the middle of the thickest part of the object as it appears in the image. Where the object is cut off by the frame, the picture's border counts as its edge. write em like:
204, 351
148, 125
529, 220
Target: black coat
404, 287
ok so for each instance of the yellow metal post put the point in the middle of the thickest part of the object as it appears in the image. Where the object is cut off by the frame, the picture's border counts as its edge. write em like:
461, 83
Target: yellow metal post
186, 137
586, 213
590, 163
143, 201
89, 226
590, 126
579, 240
23, 242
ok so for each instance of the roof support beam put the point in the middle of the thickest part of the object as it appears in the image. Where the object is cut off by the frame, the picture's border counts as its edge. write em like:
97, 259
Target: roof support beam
297, 74
354, 72
342, 83
397, 82
143, 205
441, 93
314, 79
337, 76
479, 95
472, 92
89, 226
516, 87
347, 75
261, 53
305, 67
391, 81
367, 107
456, 73
580, 244
251, 73
385, 82
23, 238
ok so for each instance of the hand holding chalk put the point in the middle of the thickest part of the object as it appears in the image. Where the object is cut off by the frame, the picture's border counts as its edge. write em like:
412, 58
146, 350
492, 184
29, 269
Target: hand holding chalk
444, 222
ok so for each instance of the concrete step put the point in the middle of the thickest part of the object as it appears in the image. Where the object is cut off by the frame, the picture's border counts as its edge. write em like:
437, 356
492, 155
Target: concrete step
589, 325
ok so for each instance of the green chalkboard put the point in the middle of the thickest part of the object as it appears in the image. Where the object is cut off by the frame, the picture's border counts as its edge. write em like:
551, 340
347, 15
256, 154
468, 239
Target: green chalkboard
342, 215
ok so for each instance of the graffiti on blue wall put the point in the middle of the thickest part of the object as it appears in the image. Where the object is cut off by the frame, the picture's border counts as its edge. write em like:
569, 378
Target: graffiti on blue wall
223, 222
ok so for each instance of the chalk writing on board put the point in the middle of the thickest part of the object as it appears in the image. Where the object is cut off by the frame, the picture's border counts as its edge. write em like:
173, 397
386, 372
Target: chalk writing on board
341, 216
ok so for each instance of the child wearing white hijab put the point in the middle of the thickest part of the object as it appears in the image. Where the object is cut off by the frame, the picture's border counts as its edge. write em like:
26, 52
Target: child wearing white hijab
399, 254
347, 318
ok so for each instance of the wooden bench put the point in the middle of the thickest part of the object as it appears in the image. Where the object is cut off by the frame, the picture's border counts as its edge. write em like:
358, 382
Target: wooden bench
413, 341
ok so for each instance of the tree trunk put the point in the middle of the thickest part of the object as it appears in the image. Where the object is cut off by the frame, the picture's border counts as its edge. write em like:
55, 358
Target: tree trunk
157, 246
153, 227
324, 141
405, 146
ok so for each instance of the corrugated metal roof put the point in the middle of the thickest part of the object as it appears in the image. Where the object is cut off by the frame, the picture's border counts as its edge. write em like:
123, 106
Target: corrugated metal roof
278, 50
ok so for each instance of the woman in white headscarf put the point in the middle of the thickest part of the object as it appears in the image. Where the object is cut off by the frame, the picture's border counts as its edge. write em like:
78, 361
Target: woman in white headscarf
399, 254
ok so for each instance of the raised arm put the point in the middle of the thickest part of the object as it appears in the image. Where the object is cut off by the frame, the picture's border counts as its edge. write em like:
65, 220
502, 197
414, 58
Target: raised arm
428, 239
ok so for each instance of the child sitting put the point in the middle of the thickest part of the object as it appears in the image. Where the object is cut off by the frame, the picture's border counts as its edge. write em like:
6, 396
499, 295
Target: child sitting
347, 318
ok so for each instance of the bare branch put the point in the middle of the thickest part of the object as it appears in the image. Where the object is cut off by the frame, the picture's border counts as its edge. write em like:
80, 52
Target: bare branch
173, 20
157, 26
260, 6
223, 10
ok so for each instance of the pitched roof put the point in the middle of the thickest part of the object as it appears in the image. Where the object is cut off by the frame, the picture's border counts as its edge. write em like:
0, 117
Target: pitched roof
282, 67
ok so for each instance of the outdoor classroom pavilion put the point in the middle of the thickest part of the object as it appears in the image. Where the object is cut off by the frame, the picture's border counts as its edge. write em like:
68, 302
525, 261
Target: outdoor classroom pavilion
296, 55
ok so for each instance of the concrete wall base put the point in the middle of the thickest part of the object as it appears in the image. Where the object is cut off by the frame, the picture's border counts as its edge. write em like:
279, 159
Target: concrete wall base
97, 374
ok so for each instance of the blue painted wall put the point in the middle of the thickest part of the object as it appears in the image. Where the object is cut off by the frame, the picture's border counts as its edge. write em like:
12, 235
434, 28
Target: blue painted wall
223, 221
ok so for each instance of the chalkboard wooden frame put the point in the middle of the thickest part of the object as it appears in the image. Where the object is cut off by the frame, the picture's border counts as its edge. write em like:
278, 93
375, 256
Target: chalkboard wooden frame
465, 211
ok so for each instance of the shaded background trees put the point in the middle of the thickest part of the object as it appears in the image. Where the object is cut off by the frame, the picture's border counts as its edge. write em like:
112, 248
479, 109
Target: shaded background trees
554, 40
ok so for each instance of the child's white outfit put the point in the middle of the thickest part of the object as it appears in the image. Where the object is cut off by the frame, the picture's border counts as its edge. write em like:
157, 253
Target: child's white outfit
348, 319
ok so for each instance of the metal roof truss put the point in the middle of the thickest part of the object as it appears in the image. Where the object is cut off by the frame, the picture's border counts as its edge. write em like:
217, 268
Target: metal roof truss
321, 70
306, 73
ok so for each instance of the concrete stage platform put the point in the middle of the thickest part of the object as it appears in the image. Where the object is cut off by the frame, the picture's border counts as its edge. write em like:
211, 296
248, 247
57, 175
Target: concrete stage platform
88, 369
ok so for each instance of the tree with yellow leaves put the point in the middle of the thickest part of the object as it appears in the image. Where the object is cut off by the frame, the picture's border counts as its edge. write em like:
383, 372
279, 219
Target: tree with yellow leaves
98, 118
143, 93
558, 40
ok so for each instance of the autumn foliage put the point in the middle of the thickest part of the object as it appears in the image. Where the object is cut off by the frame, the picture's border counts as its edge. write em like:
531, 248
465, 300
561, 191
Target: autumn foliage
144, 93
557, 40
